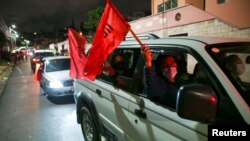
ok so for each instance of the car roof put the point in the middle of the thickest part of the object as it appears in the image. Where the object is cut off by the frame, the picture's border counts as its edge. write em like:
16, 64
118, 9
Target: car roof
212, 40
22, 48
188, 41
43, 50
56, 57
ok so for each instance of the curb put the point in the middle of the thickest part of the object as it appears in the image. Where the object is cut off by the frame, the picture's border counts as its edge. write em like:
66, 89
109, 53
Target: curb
4, 76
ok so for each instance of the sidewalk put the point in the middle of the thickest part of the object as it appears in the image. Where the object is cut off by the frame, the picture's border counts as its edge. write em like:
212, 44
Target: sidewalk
5, 70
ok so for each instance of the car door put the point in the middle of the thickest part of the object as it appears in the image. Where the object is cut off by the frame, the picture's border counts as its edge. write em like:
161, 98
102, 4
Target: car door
111, 105
154, 122
112, 99
149, 120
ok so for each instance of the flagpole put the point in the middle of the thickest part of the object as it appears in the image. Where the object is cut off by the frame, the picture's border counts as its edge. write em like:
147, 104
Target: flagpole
136, 37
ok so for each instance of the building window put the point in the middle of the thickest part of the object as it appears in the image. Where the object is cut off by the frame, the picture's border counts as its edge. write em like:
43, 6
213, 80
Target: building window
222, 1
170, 4
160, 8
167, 5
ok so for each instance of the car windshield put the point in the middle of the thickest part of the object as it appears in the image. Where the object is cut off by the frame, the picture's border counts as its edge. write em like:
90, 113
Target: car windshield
57, 65
234, 60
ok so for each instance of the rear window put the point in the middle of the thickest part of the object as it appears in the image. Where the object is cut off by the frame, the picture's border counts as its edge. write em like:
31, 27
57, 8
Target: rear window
57, 65
44, 54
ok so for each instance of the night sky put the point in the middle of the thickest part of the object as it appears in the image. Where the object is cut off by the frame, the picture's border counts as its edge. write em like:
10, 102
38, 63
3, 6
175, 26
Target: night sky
37, 15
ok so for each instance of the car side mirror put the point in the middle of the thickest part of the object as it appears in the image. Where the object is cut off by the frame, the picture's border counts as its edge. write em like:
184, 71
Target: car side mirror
248, 60
197, 102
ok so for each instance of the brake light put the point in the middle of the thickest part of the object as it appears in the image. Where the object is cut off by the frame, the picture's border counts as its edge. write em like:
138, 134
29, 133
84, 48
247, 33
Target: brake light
213, 99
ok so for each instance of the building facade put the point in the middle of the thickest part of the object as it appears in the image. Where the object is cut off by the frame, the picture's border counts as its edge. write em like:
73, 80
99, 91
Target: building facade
224, 18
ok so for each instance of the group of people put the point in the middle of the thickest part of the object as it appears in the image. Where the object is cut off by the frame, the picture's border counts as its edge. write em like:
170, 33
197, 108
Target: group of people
160, 83
18, 56
164, 87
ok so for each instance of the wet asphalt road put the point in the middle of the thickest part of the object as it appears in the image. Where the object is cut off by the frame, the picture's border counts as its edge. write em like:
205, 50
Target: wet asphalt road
26, 114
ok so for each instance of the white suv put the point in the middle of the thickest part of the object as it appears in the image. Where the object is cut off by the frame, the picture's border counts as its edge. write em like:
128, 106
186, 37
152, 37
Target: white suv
121, 110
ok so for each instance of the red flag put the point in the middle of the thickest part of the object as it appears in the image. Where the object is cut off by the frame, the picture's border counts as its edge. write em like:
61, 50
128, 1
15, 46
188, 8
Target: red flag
77, 53
37, 74
111, 31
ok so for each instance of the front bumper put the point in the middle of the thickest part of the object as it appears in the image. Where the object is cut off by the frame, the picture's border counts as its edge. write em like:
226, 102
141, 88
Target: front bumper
57, 92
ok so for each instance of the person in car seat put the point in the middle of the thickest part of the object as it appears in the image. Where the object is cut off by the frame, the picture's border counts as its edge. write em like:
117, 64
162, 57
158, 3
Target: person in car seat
160, 87
108, 70
114, 70
119, 64
234, 65
117, 67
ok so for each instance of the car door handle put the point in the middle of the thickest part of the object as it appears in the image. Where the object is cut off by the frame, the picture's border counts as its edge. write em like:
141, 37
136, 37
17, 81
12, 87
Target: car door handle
140, 113
99, 92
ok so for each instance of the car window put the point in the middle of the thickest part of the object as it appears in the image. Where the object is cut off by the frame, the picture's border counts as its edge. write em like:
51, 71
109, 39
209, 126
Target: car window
122, 63
57, 65
191, 69
234, 61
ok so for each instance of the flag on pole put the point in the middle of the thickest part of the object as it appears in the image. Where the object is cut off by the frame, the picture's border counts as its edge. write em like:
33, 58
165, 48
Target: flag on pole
111, 31
77, 53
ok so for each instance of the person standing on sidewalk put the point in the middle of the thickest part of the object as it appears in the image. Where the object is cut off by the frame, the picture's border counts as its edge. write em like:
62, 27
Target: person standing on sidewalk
13, 59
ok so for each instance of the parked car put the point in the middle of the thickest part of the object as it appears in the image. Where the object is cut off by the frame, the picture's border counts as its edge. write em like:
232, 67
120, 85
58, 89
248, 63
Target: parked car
55, 76
19, 49
210, 94
38, 55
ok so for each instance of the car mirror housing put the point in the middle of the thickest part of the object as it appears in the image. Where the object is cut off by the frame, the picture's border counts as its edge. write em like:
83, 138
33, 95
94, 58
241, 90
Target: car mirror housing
197, 102
247, 60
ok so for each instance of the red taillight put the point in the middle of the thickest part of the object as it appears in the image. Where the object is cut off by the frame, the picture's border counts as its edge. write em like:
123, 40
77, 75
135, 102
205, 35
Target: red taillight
213, 99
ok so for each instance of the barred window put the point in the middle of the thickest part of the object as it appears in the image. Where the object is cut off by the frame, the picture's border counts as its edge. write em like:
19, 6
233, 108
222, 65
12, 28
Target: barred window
160, 8
222, 1
170, 4
167, 5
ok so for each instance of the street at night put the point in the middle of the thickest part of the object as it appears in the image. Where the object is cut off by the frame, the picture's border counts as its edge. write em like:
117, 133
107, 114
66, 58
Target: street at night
28, 115
124, 70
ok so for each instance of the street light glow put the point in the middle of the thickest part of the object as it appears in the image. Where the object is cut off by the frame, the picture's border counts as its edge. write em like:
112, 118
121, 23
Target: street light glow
16, 35
13, 26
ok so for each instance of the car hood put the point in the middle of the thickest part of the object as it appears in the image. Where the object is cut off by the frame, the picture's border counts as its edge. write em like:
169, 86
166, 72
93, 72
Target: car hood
59, 75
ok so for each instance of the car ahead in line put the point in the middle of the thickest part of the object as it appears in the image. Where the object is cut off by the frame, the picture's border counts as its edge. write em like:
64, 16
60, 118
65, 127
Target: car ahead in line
38, 55
55, 80
209, 94
20, 49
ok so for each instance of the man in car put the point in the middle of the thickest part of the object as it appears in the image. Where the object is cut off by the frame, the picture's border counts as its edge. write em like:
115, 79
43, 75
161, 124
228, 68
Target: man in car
160, 87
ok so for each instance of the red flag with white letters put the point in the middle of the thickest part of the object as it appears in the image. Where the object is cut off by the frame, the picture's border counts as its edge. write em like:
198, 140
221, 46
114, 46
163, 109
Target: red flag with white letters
77, 53
111, 31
